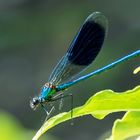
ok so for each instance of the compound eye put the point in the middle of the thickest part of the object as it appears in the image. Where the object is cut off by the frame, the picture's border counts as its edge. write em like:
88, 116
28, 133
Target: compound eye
34, 103
34, 100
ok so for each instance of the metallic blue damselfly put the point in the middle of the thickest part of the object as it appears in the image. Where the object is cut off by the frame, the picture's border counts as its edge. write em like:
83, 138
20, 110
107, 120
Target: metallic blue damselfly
81, 53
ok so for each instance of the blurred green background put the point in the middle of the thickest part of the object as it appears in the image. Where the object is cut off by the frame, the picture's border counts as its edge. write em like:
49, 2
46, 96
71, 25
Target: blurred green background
33, 37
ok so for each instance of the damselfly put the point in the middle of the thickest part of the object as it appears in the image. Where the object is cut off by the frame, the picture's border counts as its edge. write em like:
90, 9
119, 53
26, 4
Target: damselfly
81, 53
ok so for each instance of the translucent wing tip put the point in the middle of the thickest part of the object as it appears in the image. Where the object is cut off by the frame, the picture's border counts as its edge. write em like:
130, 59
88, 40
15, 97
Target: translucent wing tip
99, 18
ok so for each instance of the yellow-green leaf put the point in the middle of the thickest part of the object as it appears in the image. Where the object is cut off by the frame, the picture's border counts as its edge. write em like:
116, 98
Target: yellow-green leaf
136, 70
126, 127
99, 105
11, 129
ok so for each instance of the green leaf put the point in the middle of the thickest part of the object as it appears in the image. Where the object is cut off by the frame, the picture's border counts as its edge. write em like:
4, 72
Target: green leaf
99, 105
136, 70
11, 129
126, 127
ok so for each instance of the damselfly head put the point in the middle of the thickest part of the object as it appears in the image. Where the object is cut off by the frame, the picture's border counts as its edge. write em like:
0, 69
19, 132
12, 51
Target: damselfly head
34, 103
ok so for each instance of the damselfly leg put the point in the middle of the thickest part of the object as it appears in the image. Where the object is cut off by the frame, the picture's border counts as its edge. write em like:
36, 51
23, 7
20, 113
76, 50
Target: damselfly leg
59, 97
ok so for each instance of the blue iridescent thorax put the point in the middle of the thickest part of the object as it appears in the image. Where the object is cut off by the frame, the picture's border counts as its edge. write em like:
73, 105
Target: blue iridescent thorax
47, 91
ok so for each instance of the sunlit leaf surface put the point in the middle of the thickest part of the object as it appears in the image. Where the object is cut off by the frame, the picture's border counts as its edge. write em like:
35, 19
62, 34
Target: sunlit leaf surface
136, 70
99, 105
126, 127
